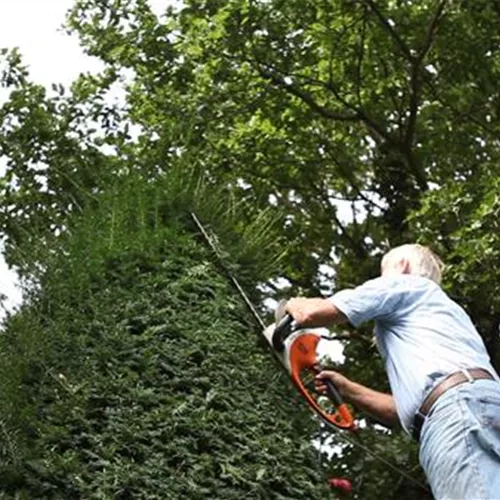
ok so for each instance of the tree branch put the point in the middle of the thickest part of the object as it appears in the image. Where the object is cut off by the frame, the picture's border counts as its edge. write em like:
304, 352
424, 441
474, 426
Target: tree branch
273, 74
392, 32
360, 113
306, 97
416, 82
416, 74
349, 178
431, 30
360, 59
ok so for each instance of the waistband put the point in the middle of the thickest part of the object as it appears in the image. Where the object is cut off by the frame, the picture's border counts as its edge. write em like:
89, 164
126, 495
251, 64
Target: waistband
452, 380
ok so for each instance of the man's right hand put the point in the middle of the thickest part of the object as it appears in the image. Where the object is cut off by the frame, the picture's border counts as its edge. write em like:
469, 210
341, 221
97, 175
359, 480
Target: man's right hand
378, 404
339, 381
314, 312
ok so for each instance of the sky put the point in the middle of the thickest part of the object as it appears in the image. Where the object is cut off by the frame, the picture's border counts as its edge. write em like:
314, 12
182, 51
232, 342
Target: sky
35, 27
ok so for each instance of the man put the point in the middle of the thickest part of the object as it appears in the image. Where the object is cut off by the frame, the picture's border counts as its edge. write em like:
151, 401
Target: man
445, 392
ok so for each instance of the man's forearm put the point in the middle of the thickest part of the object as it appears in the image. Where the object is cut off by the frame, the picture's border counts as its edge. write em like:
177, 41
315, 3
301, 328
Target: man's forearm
378, 404
314, 312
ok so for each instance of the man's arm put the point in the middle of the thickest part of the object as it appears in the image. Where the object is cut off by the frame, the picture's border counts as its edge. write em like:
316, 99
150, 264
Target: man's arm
314, 312
318, 312
378, 404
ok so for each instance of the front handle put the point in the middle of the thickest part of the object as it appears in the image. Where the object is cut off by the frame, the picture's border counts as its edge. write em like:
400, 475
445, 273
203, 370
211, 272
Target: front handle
302, 356
281, 332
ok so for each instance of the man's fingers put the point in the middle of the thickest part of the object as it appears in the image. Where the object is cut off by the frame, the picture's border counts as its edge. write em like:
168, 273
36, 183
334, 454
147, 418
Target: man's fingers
320, 385
325, 374
321, 388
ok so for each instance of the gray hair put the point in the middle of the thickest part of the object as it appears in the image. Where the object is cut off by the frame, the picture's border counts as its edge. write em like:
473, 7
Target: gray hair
422, 260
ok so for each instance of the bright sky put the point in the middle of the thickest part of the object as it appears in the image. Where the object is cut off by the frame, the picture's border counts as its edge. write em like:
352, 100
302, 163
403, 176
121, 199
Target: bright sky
34, 26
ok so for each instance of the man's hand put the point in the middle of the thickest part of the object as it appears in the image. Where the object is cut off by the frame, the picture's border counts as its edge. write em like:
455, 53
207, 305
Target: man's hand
314, 312
339, 381
377, 404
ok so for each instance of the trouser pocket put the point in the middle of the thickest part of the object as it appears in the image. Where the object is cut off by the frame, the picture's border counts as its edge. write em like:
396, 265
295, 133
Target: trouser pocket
489, 416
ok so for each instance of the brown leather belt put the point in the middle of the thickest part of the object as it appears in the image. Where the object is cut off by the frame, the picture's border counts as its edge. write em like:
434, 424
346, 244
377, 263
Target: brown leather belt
450, 381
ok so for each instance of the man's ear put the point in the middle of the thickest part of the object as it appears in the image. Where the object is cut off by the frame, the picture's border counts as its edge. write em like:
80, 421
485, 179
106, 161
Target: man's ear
404, 266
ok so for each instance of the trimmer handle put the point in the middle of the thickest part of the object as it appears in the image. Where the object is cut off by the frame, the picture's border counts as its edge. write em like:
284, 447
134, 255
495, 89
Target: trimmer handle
282, 331
302, 357
333, 393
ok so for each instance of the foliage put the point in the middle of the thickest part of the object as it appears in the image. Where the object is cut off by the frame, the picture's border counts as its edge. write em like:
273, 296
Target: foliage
122, 391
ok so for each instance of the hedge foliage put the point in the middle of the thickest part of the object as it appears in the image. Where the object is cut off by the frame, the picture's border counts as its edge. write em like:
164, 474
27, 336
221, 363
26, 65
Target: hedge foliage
134, 371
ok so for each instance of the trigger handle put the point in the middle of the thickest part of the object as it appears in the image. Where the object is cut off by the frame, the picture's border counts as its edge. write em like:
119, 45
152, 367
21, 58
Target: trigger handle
333, 393
302, 356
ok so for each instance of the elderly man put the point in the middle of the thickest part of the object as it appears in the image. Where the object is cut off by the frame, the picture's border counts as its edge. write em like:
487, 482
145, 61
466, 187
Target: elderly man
445, 392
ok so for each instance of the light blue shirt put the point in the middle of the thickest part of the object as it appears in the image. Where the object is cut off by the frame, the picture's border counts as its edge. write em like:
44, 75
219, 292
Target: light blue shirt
421, 333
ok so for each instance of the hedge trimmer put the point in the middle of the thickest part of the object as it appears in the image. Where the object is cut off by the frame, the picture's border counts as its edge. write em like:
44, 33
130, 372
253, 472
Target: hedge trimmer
296, 350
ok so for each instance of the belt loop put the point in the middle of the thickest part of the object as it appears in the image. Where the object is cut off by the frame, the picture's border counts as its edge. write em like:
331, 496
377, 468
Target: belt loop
468, 376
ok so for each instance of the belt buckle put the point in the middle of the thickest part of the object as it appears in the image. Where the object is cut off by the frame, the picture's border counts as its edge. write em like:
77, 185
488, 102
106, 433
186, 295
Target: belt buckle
467, 375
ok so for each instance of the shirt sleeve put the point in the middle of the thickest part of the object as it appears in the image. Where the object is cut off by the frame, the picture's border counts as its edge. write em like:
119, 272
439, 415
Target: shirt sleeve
376, 299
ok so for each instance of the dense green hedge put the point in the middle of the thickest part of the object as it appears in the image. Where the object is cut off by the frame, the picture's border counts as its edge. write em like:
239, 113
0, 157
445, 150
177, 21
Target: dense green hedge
134, 372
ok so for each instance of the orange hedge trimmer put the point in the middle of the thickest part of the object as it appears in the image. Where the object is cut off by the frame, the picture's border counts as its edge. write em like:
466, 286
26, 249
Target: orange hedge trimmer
296, 349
